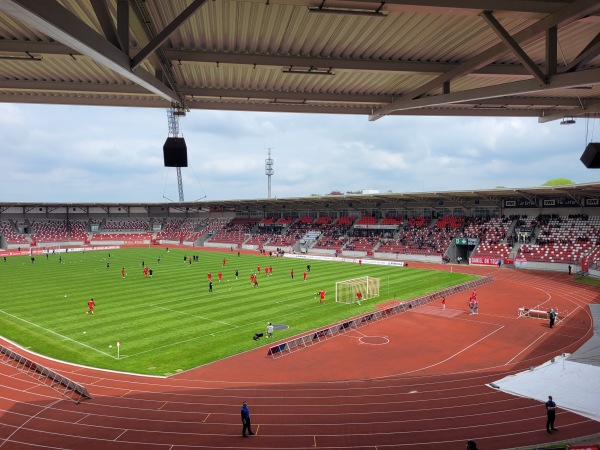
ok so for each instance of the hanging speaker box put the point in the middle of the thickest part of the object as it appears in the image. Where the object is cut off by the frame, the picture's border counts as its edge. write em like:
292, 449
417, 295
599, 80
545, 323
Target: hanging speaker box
175, 152
591, 156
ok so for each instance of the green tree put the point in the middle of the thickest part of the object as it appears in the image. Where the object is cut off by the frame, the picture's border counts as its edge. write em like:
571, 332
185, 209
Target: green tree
558, 182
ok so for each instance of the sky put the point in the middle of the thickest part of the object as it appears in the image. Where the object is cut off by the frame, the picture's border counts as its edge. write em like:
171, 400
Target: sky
71, 154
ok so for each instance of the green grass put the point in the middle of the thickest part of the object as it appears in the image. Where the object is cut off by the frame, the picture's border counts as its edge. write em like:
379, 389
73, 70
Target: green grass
170, 322
591, 281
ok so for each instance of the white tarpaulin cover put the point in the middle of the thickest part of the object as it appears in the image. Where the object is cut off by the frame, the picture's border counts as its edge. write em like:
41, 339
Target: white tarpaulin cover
573, 381
573, 386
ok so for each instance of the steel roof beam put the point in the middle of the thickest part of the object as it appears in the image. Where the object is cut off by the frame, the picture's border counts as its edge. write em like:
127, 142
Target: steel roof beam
163, 35
560, 81
51, 19
106, 23
595, 108
516, 49
200, 56
587, 54
567, 14
354, 98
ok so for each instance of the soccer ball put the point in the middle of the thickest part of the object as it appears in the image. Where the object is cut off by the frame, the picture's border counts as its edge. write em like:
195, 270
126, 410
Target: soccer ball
84, 332
110, 346
65, 295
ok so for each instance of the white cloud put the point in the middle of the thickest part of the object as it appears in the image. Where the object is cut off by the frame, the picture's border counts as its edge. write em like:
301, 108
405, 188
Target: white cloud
71, 153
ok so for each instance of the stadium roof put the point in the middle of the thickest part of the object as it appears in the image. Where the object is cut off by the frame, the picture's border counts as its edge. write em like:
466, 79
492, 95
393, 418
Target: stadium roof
537, 58
490, 198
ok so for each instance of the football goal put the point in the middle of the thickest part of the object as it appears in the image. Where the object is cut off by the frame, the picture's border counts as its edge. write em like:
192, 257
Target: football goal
346, 291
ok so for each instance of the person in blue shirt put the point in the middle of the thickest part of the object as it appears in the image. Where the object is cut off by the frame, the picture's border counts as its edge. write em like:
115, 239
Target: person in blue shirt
246, 420
551, 412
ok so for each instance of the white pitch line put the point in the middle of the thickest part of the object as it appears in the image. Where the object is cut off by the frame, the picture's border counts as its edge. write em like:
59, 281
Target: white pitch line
544, 334
198, 317
65, 338
454, 355
178, 342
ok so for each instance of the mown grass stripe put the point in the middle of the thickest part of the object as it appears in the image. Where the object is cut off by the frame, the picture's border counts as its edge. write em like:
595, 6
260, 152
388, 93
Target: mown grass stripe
171, 321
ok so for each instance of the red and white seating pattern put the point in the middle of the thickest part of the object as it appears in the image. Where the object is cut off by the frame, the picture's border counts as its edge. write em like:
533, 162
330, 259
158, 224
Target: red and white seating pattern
77, 230
48, 231
10, 235
125, 225
564, 239
235, 232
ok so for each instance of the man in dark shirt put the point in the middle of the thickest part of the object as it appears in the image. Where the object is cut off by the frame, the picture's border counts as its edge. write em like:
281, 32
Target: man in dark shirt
552, 316
551, 412
246, 420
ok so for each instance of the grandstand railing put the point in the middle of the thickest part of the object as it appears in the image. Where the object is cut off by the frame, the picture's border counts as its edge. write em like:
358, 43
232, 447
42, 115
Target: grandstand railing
315, 337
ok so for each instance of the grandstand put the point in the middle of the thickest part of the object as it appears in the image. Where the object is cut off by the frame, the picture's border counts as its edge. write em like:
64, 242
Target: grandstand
512, 232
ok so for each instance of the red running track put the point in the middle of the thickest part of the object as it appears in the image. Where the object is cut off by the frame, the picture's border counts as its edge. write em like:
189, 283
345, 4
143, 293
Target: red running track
416, 380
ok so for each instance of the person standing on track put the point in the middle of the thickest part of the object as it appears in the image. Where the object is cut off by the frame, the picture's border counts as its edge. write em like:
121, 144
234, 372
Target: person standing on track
246, 420
552, 316
551, 414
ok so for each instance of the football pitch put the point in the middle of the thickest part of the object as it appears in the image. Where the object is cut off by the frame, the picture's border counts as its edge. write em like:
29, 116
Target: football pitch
170, 322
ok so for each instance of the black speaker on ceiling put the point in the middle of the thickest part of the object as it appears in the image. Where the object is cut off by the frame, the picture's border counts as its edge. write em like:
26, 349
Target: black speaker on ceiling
175, 152
591, 156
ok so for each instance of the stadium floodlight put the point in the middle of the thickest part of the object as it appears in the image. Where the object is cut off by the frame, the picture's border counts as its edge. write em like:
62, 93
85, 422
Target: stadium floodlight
345, 291
568, 120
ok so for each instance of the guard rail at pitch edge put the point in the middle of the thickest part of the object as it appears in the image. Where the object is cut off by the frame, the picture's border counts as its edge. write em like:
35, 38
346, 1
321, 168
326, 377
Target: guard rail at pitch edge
315, 337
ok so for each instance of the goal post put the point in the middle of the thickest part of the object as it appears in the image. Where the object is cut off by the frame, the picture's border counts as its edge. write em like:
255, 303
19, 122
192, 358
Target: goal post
346, 291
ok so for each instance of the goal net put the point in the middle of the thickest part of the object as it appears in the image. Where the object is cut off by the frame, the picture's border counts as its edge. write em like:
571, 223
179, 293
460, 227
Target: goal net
346, 291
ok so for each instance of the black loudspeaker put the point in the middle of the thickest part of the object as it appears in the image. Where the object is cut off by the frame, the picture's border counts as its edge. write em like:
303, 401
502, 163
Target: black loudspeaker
257, 336
591, 156
175, 152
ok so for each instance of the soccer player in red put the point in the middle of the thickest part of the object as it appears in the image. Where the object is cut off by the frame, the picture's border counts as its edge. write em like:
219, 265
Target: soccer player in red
91, 305
224, 262
146, 271
292, 273
209, 276
304, 276
123, 272
358, 297
360, 262
220, 276
258, 269
270, 270
322, 296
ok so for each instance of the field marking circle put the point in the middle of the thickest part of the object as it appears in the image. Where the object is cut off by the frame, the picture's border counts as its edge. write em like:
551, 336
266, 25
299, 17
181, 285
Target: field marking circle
374, 340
